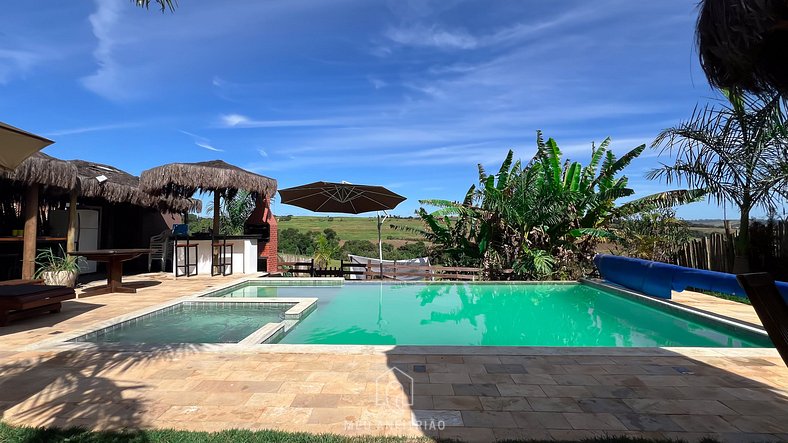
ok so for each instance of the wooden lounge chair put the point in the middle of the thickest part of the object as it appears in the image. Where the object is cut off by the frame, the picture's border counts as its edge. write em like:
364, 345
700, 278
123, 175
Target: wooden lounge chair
20, 281
28, 299
770, 306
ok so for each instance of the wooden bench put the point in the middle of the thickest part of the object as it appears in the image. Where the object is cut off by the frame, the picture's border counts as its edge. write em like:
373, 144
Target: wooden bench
29, 299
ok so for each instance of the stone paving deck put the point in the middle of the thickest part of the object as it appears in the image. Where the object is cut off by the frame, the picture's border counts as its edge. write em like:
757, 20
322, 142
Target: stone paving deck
726, 308
474, 394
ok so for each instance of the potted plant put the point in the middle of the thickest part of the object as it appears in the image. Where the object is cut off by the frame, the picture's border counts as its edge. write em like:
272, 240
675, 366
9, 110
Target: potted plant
60, 270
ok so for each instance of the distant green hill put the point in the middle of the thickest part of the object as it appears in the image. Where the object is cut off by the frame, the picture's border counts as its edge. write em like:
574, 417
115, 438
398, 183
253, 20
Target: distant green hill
354, 228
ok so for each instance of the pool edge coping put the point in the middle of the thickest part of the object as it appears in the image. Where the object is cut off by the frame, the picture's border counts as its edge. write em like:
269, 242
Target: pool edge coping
703, 316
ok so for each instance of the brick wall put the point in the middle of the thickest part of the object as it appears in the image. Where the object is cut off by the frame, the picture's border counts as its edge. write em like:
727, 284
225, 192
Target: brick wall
262, 212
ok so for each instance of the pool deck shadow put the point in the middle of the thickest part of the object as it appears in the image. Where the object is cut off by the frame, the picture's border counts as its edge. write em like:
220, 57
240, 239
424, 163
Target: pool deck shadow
52, 322
658, 393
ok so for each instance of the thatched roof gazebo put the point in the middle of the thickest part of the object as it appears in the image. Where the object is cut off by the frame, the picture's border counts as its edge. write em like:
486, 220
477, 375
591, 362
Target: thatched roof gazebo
35, 172
743, 44
216, 176
116, 186
44, 170
62, 180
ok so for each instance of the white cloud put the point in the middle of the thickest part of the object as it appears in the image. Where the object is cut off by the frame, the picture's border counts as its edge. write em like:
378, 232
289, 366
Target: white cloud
233, 119
208, 147
242, 121
15, 62
262, 152
433, 36
108, 80
377, 83
439, 37
97, 128
202, 141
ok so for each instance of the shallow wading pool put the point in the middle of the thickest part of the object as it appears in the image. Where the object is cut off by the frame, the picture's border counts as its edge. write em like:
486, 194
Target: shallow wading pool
485, 314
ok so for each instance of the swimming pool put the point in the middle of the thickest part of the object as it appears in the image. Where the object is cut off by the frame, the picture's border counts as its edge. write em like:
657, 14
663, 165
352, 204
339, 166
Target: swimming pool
205, 321
487, 314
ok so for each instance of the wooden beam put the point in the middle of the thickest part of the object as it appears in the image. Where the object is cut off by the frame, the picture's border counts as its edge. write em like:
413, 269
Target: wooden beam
71, 241
31, 229
216, 208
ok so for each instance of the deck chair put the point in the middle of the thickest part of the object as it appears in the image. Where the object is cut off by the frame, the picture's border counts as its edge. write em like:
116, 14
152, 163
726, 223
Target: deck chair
770, 307
29, 299
160, 249
20, 281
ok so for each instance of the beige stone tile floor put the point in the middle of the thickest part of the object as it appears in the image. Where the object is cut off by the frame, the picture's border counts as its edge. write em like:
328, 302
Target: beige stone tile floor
473, 395
726, 308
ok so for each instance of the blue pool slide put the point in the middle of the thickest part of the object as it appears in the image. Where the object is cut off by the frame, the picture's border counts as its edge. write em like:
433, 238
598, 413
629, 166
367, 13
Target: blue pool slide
658, 279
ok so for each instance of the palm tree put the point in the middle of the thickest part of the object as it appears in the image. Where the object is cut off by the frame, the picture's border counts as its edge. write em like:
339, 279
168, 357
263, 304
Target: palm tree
235, 211
325, 250
742, 44
736, 152
163, 4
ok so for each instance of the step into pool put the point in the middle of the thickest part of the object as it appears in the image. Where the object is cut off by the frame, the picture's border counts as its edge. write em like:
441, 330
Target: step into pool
492, 315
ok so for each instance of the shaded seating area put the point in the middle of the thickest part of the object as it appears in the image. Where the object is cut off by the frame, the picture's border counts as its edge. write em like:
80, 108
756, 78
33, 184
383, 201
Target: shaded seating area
77, 205
217, 252
22, 299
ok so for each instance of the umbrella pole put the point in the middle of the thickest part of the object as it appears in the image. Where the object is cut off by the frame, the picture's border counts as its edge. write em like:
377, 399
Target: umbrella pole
380, 240
380, 247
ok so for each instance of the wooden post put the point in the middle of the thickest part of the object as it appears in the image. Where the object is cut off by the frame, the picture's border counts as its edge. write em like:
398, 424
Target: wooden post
216, 202
31, 228
71, 240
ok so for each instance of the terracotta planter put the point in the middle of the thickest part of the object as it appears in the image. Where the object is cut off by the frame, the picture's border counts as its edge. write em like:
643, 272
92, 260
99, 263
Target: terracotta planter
60, 278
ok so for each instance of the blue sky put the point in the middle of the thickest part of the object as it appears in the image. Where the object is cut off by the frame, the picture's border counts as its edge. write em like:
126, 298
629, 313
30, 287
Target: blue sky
409, 94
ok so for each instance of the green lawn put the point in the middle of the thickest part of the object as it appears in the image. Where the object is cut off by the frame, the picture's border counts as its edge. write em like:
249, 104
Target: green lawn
354, 228
13, 434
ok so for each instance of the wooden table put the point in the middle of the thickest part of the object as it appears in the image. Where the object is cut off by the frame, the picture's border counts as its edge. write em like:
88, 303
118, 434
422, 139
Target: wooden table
114, 259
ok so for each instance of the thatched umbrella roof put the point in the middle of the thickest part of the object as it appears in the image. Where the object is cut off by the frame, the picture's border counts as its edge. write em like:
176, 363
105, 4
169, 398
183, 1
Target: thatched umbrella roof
185, 179
122, 187
41, 169
743, 44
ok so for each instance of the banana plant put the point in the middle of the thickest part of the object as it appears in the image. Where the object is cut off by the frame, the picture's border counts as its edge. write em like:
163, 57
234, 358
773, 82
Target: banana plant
530, 220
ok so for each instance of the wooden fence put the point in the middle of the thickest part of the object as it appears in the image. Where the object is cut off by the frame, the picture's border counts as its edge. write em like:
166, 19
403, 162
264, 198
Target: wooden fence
768, 251
712, 253
372, 271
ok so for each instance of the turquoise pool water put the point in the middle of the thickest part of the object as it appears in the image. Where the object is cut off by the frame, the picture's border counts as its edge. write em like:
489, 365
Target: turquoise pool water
203, 323
492, 315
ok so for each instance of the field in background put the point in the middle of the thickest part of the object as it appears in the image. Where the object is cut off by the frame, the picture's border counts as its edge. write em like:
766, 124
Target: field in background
355, 228
365, 228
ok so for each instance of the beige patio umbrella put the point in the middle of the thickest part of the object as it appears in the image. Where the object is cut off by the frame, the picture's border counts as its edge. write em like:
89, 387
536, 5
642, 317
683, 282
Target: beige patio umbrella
17, 145
216, 176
